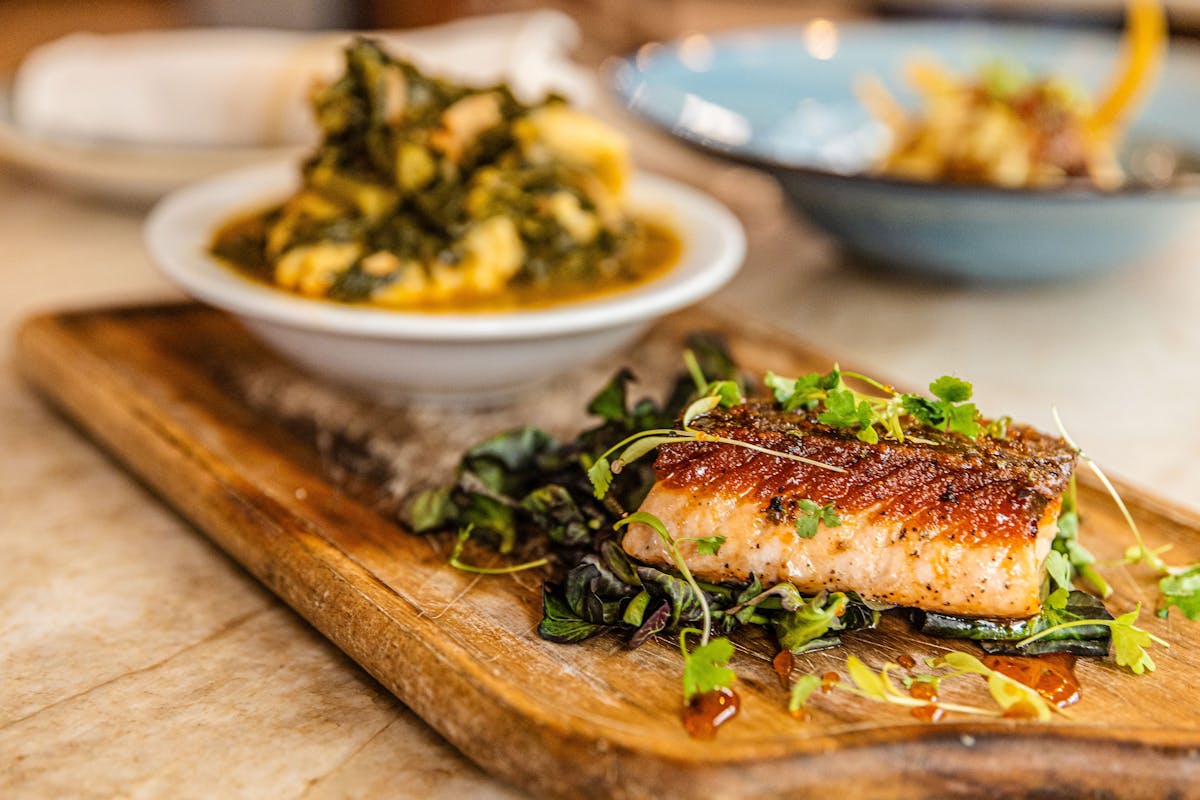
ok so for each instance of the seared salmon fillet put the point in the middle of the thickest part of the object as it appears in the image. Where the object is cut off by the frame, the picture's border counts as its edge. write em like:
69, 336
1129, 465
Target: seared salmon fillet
937, 522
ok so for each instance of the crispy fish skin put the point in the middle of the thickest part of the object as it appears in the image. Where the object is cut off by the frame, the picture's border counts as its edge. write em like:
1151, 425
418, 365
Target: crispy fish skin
945, 524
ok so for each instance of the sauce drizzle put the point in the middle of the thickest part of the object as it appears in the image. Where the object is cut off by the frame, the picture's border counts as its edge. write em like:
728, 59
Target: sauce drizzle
783, 664
1051, 675
708, 711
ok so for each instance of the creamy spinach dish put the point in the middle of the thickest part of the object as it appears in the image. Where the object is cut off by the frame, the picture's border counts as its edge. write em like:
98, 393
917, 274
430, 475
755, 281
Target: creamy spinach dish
425, 194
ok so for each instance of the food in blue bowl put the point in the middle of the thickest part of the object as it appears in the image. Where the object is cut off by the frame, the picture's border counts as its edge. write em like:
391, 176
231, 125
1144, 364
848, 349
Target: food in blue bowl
790, 100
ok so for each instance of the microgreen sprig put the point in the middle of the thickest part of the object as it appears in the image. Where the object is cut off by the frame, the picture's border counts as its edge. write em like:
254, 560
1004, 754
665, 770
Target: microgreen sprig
878, 686
672, 547
1129, 641
633, 447
704, 668
457, 562
1179, 586
811, 514
842, 406
1139, 553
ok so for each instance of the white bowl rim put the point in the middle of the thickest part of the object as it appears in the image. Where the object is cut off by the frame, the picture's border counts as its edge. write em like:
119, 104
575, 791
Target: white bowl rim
179, 228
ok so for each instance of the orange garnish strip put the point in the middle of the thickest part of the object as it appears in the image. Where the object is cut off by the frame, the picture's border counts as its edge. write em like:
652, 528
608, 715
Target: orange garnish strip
1144, 46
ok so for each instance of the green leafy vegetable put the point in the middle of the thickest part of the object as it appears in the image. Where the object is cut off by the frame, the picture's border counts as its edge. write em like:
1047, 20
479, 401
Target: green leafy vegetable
672, 549
1066, 541
878, 686
801, 628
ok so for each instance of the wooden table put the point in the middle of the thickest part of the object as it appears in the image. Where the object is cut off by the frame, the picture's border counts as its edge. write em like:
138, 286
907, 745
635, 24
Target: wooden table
136, 659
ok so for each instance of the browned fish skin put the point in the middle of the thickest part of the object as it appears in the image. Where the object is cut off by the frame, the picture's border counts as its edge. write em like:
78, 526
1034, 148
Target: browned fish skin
949, 525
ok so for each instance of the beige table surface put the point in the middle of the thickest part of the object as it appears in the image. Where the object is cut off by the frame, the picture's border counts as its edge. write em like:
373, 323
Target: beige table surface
137, 660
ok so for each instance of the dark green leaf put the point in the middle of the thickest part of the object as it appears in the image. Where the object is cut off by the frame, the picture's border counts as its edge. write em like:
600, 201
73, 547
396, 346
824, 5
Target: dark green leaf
431, 510
685, 606
652, 623
559, 623
552, 510
611, 402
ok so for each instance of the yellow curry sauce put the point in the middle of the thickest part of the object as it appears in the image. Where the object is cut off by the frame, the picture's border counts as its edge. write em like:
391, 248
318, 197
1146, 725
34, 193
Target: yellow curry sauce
657, 251
427, 195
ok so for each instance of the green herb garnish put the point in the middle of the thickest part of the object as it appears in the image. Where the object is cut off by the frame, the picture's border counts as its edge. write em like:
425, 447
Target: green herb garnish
1129, 641
705, 668
810, 515
1181, 589
842, 406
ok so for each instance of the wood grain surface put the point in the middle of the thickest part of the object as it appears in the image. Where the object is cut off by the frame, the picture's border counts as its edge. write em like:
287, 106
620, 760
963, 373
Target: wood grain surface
298, 482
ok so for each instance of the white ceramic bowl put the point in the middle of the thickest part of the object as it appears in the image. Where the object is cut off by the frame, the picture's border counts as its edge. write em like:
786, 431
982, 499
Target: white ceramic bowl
466, 359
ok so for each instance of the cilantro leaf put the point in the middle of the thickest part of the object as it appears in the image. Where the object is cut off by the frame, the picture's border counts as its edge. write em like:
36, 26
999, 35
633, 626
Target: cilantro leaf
962, 419
728, 392
811, 514
601, 476
1059, 569
1129, 643
704, 669
783, 388
1182, 589
709, 545
841, 409
950, 411
951, 389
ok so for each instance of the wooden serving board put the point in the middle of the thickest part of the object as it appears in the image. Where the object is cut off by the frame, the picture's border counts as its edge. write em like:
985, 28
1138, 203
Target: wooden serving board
298, 482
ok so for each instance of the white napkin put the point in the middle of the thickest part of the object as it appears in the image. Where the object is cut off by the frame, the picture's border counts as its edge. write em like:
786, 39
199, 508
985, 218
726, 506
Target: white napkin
246, 87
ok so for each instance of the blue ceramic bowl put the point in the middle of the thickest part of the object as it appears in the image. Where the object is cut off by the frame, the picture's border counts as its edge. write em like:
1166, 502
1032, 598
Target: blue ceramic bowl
783, 99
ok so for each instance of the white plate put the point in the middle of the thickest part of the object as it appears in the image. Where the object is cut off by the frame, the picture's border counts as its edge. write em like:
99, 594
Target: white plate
463, 358
126, 172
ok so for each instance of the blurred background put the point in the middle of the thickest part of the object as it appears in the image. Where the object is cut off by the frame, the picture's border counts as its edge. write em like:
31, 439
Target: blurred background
609, 25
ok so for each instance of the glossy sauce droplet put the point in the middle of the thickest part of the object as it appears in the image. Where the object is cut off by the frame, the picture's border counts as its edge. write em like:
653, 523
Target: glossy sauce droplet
923, 691
1052, 675
783, 664
829, 681
906, 661
930, 713
708, 711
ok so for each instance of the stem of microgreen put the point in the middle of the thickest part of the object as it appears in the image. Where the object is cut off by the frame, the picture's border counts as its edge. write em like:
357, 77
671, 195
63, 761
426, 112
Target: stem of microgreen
1109, 623
1143, 553
887, 390
693, 368
457, 563
672, 549
701, 436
